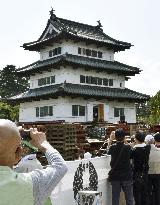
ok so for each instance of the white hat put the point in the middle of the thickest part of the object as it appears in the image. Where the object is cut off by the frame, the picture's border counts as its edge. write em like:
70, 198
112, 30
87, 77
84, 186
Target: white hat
149, 138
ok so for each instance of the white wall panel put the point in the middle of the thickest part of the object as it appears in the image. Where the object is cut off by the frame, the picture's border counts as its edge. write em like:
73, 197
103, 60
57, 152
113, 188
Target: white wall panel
62, 110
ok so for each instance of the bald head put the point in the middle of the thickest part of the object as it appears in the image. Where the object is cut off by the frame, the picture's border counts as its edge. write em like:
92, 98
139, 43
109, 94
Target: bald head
8, 129
9, 142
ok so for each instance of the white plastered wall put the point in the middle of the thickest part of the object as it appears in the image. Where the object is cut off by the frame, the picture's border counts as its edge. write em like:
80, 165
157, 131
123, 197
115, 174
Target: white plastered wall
62, 109
71, 75
72, 48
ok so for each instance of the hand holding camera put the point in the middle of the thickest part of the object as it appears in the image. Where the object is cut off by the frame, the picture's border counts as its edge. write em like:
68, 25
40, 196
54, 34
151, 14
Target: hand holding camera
35, 138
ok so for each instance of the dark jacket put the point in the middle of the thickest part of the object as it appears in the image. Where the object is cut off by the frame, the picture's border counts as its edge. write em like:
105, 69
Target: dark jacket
140, 156
120, 170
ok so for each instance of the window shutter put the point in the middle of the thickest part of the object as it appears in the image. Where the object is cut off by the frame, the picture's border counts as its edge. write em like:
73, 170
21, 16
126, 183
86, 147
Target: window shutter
105, 81
81, 110
74, 110
50, 110
52, 79
37, 111
41, 111
110, 82
116, 112
79, 50
121, 111
99, 54
48, 80
82, 79
50, 53
45, 110
59, 50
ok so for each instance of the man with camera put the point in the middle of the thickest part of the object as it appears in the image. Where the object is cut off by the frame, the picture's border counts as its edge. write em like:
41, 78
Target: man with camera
120, 174
26, 188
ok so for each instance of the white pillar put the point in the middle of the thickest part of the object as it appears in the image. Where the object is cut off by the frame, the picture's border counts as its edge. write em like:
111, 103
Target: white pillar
106, 112
89, 112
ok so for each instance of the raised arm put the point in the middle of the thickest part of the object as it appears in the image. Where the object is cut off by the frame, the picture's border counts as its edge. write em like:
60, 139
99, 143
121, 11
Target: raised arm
44, 181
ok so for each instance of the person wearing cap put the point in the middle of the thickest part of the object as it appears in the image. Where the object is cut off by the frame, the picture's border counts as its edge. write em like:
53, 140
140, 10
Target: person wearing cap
32, 188
120, 174
140, 157
154, 172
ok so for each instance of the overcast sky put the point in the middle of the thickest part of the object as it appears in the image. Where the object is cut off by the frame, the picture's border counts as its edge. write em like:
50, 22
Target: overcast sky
133, 21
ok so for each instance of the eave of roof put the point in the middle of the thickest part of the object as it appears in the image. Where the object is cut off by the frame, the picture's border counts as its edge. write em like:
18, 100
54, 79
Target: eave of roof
76, 31
79, 61
79, 90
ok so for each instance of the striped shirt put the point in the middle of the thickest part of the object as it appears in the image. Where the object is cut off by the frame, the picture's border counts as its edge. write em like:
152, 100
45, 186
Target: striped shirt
44, 181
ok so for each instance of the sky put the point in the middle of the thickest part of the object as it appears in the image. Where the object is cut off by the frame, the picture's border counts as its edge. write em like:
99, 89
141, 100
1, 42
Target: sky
133, 21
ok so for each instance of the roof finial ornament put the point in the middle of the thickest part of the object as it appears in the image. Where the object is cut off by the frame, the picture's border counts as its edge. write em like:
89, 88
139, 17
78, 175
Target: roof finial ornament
52, 11
99, 24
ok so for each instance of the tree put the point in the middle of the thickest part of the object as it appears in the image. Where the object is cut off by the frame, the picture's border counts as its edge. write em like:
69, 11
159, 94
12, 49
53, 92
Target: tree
11, 83
154, 109
142, 112
149, 112
8, 112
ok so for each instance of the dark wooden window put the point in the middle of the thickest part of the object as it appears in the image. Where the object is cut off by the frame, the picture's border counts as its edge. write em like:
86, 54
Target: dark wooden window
88, 52
105, 81
79, 50
110, 82
74, 110
59, 50
50, 53
81, 110
44, 111
88, 79
99, 54
55, 51
99, 81
78, 110
40, 82
94, 53
50, 111
82, 79
41, 112
121, 111
94, 80
37, 111
48, 80
84, 51
118, 112
52, 79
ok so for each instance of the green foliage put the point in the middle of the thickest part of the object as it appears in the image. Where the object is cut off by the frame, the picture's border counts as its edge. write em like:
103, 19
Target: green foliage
154, 109
8, 111
149, 112
142, 111
11, 83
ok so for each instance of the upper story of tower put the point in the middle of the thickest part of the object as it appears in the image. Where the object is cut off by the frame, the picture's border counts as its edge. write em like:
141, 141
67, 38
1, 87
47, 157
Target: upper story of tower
63, 36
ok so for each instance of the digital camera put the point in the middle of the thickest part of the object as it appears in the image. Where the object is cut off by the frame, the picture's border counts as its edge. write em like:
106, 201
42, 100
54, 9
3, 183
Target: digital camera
25, 135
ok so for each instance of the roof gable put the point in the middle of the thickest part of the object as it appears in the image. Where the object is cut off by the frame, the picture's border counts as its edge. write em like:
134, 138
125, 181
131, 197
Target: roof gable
74, 30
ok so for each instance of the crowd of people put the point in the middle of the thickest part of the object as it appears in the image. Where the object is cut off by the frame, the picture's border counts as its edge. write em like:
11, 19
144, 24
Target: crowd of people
135, 168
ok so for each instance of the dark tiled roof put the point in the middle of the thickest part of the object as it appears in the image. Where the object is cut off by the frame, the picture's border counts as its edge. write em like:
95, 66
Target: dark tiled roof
80, 61
75, 30
67, 89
